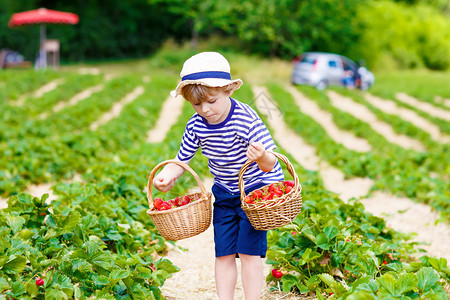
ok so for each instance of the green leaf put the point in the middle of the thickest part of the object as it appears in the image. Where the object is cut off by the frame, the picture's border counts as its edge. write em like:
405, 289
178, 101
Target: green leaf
15, 265
359, 295
101, 280
18, 288
119, 274
406, 282
288, 281
15, 223
31, 288
322, 241
337, 287
71, 221
427, 278
4, 284
54, 294
387, 284
103, 260
330, 232
166, 265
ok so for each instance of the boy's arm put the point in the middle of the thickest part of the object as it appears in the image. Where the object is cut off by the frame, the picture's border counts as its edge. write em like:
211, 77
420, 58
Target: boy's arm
166, 179
265, 160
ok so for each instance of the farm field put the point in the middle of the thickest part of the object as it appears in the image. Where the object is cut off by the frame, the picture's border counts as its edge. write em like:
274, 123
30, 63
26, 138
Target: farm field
374, 168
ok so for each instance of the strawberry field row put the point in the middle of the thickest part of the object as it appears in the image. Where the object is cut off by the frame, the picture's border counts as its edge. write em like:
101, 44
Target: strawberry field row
403, 172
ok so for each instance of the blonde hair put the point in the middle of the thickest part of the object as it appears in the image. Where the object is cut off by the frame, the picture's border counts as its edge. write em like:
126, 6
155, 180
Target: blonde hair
197, 93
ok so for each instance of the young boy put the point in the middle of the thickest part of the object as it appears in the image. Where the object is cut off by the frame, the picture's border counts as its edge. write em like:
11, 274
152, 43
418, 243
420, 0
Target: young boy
229, 133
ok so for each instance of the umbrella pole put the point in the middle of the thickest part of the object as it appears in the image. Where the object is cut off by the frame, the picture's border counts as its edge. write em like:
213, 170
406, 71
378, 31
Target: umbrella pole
42, 52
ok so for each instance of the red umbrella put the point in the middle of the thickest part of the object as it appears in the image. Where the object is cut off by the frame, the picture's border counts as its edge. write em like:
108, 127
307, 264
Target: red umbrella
42, 16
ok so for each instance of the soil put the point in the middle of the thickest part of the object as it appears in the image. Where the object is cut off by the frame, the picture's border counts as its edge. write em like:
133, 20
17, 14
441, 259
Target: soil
423, 106
39, 92
170, 112
117, 108
390, 107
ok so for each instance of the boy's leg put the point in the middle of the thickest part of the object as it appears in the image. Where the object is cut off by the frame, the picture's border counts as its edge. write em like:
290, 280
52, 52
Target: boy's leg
252, 276
226, 276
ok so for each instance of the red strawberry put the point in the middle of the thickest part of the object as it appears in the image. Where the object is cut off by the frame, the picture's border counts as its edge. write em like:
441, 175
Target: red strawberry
178, 201
278, 192
272, 187
277, 273
289, 183
385, 262
39, 281
165, 206
257, 194
249, 199
287, 189
157, 203
186, 200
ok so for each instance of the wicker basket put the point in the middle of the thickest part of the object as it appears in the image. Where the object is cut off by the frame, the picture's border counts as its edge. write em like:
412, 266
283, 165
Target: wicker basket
184, 221
273, 213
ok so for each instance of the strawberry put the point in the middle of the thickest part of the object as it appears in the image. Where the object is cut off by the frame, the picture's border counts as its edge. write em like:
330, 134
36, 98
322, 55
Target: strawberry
157, 203
278, 192
272, 187
178, 201
165, 206
385, 262
249, 199
287, 189
289, 183
39, 281
277, 273
186, 200
257, 194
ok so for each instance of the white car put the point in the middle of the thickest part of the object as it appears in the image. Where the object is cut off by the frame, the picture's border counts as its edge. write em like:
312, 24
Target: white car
321, 69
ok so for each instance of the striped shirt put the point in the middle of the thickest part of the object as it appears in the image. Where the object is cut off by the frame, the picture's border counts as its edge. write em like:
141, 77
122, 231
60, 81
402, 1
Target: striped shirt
225, 145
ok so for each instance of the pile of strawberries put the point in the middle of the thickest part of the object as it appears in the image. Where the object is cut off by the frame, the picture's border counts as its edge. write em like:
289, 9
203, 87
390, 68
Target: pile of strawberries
270, 192
160, 204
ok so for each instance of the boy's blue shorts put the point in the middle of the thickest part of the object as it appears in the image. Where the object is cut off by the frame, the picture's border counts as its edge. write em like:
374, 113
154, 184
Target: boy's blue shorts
233, 232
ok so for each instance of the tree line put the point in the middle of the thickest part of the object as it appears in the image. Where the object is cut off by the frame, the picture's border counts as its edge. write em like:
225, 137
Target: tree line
401, 34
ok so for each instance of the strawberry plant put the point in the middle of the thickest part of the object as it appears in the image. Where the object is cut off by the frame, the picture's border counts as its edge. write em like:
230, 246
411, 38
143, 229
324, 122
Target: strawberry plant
338, 248
81, 245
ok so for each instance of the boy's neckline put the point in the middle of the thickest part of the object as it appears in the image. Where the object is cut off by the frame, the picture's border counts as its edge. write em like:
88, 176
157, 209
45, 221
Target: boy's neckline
221, 124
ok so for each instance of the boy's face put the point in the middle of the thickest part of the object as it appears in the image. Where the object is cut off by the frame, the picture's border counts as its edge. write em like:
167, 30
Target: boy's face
215, 109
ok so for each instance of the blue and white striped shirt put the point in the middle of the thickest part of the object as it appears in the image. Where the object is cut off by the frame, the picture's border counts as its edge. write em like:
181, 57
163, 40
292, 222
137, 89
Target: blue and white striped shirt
225, 145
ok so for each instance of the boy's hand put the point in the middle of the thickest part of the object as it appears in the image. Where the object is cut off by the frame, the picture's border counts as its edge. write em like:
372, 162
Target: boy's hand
256, 151
166, 179
163, 184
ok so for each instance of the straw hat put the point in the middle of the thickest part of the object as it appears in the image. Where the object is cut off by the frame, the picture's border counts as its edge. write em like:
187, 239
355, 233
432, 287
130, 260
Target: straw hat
205, 68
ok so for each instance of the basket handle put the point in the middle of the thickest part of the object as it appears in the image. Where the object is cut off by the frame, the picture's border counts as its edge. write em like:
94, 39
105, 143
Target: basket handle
281, 157
179, 163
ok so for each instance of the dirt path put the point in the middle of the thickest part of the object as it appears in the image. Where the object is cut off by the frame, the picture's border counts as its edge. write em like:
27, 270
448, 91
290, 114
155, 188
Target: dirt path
117, 108
325, 119
39, 92
390, 107
444, 101
424, 106
364, 114
170, 112
75, 99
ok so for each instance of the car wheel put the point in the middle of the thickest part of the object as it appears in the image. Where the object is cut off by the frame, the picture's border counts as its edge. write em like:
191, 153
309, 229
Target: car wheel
364, 86
321, 85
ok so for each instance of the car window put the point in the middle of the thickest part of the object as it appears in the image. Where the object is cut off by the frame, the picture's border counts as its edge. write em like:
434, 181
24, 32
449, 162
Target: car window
308, 60
332, 64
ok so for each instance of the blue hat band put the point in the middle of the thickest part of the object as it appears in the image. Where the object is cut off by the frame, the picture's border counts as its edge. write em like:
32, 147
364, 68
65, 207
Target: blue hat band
207, 74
